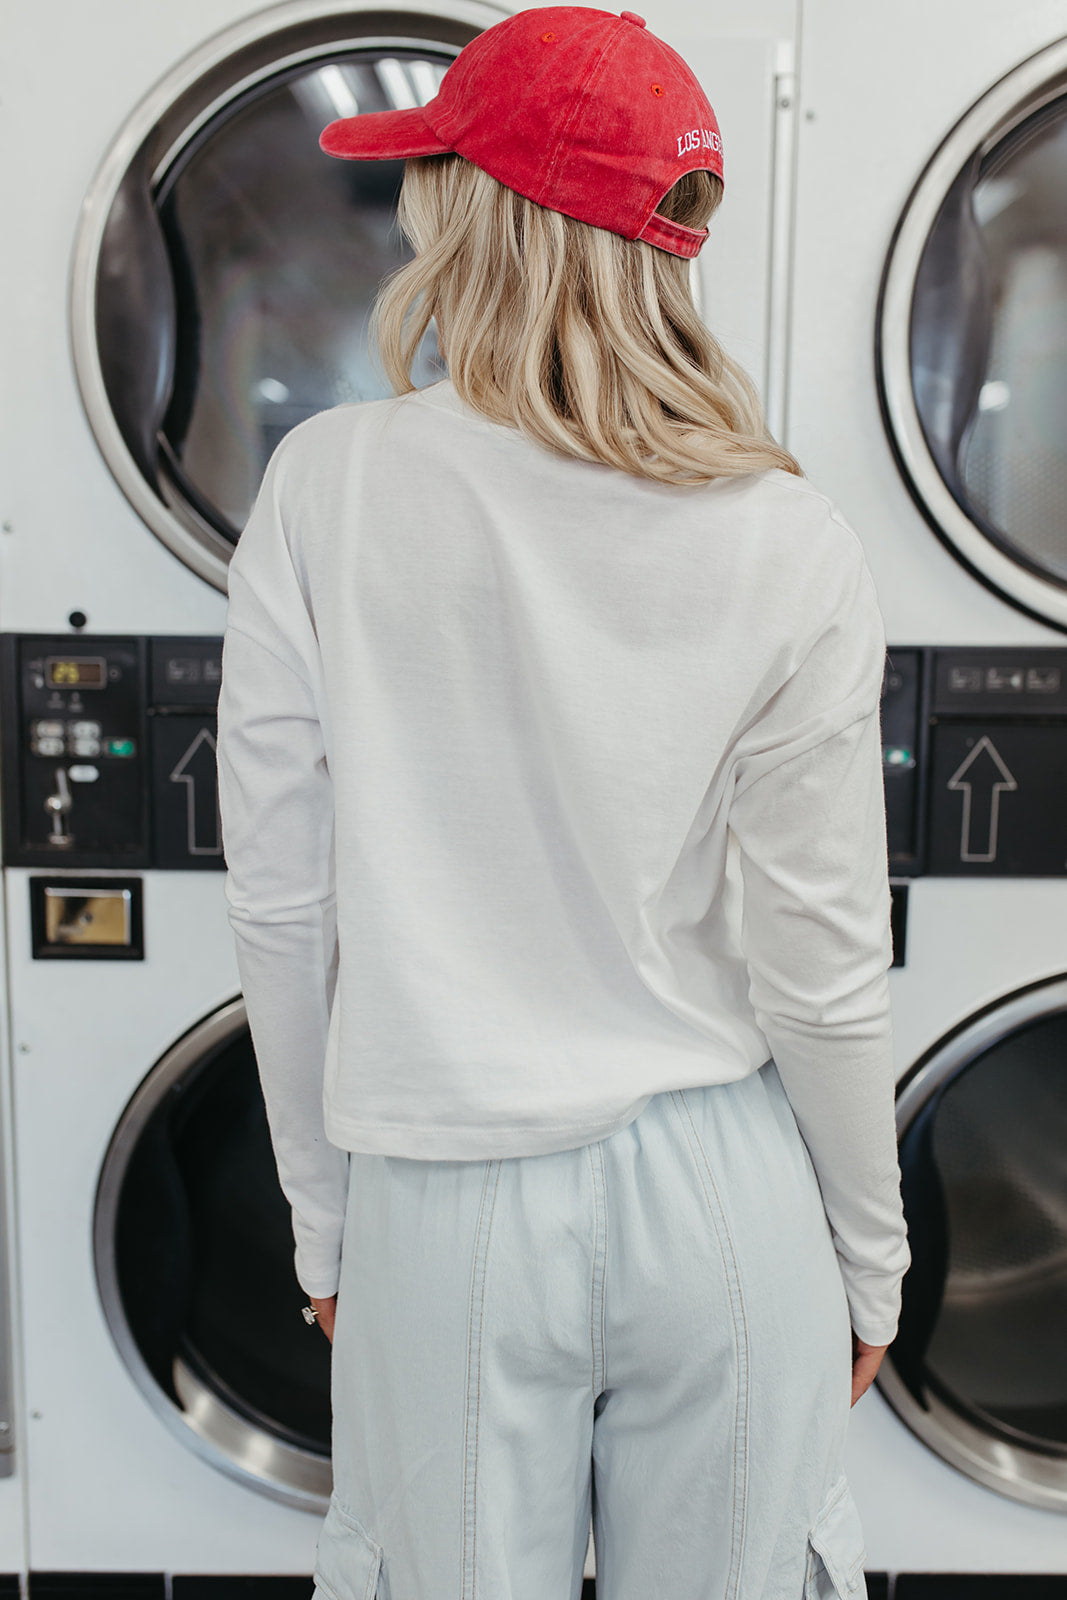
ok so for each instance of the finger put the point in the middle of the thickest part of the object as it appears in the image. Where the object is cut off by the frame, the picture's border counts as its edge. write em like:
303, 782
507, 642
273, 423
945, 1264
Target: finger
864, 1372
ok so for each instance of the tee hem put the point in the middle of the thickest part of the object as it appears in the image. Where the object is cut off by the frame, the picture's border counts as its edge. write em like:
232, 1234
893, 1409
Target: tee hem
471, 1143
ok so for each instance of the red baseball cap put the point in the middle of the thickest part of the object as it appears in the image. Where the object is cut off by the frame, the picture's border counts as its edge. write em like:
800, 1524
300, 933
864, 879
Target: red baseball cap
580, 110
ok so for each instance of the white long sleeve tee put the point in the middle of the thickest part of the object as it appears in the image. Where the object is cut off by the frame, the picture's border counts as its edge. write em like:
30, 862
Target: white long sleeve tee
544, 789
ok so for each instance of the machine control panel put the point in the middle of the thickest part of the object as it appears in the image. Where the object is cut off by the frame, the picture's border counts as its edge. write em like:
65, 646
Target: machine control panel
107, 751
974, 745
107, 755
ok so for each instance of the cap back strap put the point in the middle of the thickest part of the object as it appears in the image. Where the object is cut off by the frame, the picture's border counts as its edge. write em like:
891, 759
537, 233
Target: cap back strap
672, 236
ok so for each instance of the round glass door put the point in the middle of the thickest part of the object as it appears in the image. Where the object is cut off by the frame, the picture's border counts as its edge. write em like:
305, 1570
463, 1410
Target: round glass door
275, 253
225, 268
972, 338
977, 1369
193, 1245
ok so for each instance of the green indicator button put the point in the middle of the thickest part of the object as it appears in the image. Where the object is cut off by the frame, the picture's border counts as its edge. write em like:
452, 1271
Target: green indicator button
119, 747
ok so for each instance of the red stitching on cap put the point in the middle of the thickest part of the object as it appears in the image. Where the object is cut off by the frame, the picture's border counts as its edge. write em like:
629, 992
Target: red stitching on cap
583, 93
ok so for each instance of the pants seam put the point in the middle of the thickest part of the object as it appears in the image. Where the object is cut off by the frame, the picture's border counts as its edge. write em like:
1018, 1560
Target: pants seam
600, 1230
603, 1271
474, 1368
737, 1308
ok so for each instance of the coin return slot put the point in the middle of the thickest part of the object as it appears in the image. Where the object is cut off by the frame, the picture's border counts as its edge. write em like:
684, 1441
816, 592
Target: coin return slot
92, 919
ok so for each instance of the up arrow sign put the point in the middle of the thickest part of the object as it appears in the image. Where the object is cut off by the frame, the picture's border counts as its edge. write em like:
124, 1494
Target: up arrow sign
981, 777
197, 769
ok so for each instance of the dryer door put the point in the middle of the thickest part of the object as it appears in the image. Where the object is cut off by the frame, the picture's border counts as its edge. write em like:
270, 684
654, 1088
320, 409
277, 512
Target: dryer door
193, 1246
225, 268
972, 338
977, 1369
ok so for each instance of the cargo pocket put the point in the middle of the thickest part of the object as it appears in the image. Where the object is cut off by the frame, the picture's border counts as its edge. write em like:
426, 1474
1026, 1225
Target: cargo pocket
836, 1550
347, 1560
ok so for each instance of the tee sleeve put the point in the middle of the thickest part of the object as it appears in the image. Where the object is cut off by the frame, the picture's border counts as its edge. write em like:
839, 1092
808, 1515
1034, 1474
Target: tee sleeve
808, 813
276, 803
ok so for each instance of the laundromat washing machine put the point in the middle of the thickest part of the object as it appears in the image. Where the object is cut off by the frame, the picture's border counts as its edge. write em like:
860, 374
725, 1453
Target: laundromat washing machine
928, 395
193, 279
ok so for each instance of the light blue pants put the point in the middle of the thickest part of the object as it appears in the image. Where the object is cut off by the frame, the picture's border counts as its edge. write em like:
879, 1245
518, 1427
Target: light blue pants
650, 1331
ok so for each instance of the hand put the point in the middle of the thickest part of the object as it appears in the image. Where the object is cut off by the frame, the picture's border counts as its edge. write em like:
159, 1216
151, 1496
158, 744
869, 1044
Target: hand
866, 1359
327, 1311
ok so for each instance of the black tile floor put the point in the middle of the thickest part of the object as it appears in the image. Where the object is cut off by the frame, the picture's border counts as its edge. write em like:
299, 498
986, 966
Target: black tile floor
190, 1586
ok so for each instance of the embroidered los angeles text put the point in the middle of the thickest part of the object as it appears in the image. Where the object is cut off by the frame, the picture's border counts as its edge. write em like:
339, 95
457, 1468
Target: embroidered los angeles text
699, 139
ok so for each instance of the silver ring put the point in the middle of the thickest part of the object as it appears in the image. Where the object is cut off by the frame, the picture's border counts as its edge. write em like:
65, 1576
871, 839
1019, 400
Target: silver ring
309, 1313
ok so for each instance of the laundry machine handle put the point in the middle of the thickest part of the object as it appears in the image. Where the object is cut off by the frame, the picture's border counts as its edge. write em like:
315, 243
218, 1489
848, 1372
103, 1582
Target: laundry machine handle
926, 1211
951, 324
136, 316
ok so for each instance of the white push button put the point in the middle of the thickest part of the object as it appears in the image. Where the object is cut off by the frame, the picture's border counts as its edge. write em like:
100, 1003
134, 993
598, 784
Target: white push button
85, 774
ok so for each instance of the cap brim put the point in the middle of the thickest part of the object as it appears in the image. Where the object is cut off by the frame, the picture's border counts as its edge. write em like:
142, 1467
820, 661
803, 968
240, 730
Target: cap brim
381, 136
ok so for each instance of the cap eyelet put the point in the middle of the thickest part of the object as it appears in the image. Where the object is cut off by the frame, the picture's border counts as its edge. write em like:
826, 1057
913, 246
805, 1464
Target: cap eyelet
657, 88
547, 38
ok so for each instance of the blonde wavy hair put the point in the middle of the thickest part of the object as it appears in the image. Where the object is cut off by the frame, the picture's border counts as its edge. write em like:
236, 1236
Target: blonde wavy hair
587, 342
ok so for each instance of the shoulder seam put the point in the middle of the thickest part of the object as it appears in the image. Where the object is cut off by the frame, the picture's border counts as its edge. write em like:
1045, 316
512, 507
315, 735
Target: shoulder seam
806, 487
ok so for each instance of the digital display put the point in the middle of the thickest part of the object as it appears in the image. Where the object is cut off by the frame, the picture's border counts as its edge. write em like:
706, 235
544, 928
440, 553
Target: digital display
75, 672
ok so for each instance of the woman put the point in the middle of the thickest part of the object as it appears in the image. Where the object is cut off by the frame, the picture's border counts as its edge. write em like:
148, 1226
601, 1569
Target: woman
550, 776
